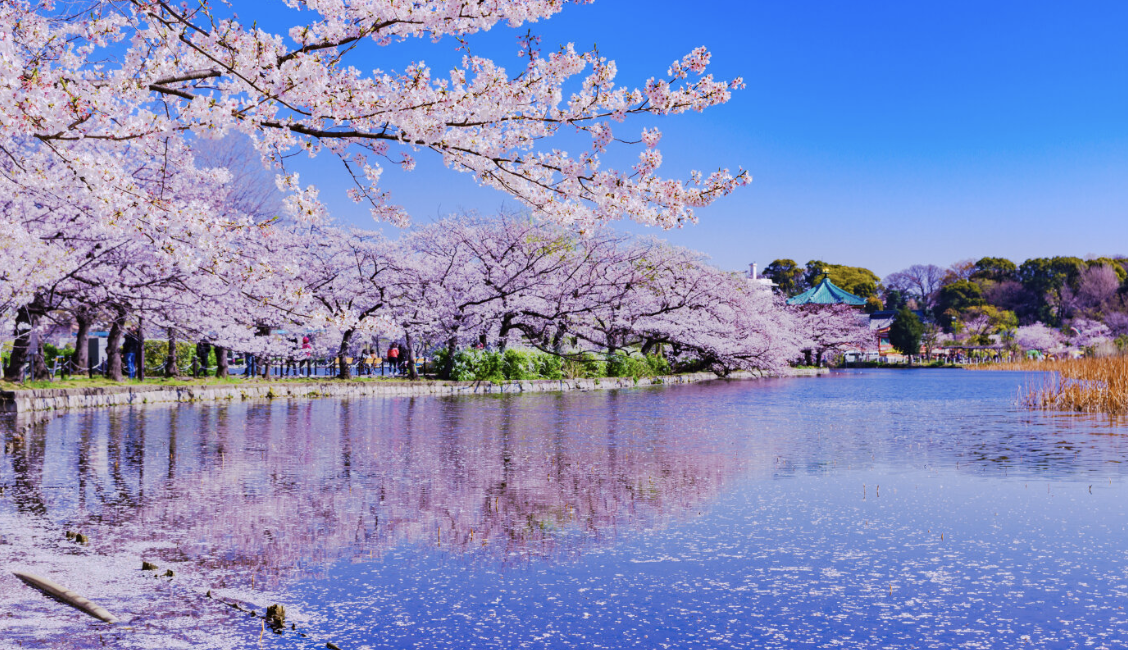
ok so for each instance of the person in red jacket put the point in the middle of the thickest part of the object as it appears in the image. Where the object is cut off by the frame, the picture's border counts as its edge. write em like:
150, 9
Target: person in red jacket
393, 357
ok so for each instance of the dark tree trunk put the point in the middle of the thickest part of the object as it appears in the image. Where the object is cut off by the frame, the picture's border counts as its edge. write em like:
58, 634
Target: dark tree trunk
203, 348
24, 322
113, 348
220, 361
171, 368
39, 371
342, 365
503, 333
612, 345
140, 348
82, 343
818, 359
558, 340
410, 360
260, 330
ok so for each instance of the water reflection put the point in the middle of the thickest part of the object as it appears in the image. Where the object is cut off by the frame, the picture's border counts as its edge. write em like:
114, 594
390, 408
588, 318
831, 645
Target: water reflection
270, 489
748, 514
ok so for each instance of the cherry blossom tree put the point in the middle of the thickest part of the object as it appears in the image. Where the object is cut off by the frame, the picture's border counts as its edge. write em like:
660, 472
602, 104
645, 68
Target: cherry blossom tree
1096, 286
348, 281
1038, 337
203, 70
119, 200
471, 280
1117, 323
1085, 333
833, 329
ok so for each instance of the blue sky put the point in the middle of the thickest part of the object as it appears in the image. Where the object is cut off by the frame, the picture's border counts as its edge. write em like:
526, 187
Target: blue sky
878, 134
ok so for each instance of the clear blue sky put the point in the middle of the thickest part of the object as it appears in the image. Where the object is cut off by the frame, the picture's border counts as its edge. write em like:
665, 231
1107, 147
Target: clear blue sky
878, 134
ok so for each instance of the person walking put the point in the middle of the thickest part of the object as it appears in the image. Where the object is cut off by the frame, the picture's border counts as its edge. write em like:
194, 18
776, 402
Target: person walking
292, 362
129, 350
402, 356
393, 357
306, 357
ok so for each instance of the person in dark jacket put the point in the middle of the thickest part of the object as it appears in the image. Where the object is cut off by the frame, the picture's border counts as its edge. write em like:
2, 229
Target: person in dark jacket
129, 349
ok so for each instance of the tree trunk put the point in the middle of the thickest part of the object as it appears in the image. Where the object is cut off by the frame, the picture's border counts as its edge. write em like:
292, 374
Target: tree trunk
503, 333
558, 340
81, 343
203, 348
818, 359
113, 348
612, 345
27, 319
342, 365
140, 348
220, 361
410, 360
171, 368
39, 371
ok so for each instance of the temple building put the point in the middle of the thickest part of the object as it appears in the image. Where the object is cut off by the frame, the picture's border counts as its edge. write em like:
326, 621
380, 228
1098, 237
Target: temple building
827, 293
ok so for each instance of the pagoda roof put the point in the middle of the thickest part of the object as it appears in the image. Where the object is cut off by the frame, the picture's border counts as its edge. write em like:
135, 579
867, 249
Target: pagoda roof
826, 293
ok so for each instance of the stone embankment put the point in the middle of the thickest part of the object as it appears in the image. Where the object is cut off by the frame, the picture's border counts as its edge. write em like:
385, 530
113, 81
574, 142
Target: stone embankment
53, 399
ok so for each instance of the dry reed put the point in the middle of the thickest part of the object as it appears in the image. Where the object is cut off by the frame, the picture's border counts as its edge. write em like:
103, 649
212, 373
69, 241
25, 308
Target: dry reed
1085, 385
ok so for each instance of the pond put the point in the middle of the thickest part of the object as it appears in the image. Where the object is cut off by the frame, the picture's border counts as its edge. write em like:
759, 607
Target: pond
900, 509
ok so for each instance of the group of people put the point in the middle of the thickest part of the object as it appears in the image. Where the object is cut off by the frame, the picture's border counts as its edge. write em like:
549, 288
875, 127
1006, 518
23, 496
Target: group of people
370, 360
298, 364
302, 359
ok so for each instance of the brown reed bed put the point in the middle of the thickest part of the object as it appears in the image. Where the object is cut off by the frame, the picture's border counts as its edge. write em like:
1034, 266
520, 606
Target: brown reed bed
1083, 385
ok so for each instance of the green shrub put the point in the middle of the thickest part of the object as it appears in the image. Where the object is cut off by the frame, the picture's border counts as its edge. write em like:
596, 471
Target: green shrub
630, 365
512, 365
658, 364
476, 365
50, 353
550, 366
516, 364
584, 366
156, 351
441, 363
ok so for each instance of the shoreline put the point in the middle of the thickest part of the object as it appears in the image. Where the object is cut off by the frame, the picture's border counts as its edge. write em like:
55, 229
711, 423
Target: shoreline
59, 399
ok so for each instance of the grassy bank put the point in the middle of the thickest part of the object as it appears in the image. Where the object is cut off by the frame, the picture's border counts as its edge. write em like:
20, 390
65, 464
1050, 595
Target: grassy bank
101, 382
1085, 385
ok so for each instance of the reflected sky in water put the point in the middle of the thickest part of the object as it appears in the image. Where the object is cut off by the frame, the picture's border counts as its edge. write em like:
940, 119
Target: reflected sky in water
872, 508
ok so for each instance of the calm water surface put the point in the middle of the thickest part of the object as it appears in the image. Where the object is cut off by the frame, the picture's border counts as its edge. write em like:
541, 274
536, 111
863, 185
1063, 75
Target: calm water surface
915, 509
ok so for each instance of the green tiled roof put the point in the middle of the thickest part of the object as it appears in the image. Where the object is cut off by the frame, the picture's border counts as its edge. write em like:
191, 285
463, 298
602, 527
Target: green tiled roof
826, 293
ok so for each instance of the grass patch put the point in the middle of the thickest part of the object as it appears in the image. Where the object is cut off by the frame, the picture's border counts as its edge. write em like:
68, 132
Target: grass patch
102, 382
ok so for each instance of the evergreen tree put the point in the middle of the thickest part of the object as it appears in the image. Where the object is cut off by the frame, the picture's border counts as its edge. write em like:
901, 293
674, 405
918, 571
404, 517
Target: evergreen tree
905, 333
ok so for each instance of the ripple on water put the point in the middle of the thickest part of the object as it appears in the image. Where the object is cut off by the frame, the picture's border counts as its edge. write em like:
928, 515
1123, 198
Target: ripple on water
912, 509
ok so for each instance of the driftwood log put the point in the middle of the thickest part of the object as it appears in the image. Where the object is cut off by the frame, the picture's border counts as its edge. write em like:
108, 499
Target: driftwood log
65, 595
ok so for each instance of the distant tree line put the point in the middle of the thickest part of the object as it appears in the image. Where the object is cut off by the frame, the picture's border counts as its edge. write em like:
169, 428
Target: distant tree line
975, 300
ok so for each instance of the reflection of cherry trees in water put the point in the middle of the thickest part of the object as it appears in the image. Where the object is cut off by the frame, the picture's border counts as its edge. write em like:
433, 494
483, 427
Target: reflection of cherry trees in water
273, 489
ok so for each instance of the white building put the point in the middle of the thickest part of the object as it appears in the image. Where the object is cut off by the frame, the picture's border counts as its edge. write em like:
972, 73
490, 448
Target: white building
758, 282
